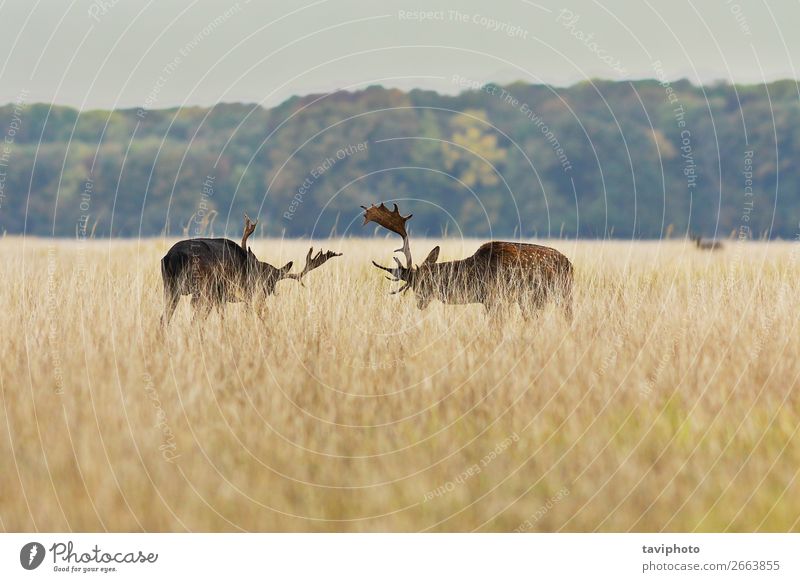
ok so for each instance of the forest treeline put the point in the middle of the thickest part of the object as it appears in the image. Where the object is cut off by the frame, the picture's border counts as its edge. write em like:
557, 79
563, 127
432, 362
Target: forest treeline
642, 159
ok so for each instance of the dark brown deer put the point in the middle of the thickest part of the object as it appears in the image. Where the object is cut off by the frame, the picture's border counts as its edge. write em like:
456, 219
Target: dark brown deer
707, 245
215, 271
498, 273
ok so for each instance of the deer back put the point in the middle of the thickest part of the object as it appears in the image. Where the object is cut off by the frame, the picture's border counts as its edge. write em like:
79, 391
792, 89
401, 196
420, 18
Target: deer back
522, 259
201, 262
494, 266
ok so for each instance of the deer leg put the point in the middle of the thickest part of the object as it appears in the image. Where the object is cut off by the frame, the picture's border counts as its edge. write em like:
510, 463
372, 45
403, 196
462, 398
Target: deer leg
219, 301
498, 315
260, 310
528, 310
201, 307
249, 311
568, 307
497, 310
531, 304
171, 299
246, 307
565, 298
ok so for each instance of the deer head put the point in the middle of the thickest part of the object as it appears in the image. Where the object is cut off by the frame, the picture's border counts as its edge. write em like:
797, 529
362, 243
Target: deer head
418, 278
262, 274
266, 274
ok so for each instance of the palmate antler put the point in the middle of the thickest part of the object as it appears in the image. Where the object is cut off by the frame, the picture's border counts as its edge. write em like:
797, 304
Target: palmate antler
249, 228
312, 263
392, 220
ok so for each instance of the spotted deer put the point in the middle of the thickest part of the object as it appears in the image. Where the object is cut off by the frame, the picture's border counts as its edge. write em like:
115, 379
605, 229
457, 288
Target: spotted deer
217, 270
499, 273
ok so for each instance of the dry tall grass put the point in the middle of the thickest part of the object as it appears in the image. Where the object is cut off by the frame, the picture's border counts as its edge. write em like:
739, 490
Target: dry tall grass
670, 402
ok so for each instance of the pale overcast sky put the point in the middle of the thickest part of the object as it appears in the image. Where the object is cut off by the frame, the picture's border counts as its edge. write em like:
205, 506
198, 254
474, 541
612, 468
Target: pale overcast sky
127, 53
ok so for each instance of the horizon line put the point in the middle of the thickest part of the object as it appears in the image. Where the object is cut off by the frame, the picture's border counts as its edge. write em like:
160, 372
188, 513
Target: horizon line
591, 81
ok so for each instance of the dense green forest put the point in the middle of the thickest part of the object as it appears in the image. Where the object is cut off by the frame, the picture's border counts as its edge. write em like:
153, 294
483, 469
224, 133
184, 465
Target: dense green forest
625, 159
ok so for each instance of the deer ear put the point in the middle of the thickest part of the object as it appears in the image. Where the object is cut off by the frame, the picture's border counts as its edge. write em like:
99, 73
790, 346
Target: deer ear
432, 256
287, 267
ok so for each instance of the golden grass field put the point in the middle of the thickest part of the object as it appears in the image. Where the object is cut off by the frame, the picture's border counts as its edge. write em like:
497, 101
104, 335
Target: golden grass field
670, 402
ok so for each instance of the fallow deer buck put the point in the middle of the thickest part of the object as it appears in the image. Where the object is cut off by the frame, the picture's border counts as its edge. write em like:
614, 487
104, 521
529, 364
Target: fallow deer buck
499, 273
217, 270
